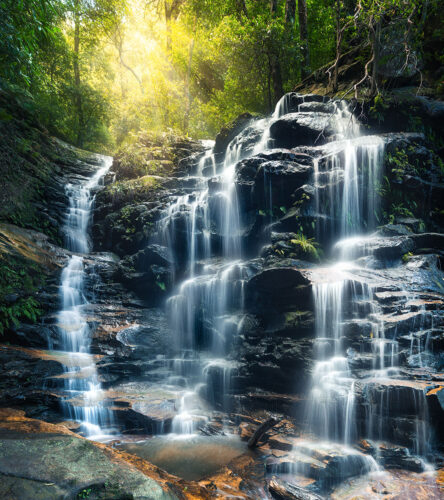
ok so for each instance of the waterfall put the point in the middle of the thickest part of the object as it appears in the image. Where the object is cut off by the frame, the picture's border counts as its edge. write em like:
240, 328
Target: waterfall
203, 231
202, 310
84, 396
346, 178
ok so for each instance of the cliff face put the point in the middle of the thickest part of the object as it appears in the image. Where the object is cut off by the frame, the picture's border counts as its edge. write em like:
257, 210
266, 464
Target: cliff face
34, 170
270, 310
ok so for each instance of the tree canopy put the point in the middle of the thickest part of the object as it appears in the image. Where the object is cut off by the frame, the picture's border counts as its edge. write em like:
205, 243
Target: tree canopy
98, 72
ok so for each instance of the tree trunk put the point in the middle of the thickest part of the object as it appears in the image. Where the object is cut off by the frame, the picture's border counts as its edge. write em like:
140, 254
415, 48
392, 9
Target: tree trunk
260, 431
374, 40
303, 31
241, 9
270, 100
290, 12
119, 46
168, 28
76, 67
338, 45
276, 73
188, 89
273, 7
172, 11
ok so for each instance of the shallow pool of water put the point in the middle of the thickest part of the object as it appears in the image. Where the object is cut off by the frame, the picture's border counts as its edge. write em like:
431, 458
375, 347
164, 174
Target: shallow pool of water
189, 457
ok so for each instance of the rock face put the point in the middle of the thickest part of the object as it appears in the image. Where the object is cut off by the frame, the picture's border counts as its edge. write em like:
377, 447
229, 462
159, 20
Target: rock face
230, 131
270, 308
307, 128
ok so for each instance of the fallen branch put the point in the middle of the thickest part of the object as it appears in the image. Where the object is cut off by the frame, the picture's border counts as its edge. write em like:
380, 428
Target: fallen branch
261, 430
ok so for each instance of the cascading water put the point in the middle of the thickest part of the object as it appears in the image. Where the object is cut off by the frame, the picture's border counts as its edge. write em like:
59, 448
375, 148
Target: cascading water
202, 310
203, 231
83, 400
346, 179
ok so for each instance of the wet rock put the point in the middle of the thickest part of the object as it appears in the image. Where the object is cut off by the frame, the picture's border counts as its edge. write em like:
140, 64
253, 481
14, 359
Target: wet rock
395, 457
428, 240
382, 248
292, 155
48, 461
297, 129
279, 442
282, 178
435, 404
142, 407
395, 324
394, 230
283, 490
153, 285
282, 366
23, 375
277, 287
293, 100
230, 131
328, 465
317, 107
151, 255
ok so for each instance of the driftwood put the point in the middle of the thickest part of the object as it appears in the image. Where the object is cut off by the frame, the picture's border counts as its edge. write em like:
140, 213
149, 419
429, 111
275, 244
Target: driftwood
281, 490
261, 430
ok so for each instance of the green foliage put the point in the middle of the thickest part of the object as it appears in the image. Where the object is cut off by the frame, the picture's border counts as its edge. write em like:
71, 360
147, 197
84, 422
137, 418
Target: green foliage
307, 248
27, 27
19, 279
379, 108
147, 153
132, 190
398, 162
98, 72
85, 493
406, 257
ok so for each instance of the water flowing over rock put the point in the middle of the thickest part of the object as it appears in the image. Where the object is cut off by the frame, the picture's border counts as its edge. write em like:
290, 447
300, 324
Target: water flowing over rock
275, 271
83, 393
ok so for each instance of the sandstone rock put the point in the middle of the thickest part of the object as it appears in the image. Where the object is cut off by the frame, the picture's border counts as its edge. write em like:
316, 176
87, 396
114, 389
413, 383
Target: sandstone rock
49, 461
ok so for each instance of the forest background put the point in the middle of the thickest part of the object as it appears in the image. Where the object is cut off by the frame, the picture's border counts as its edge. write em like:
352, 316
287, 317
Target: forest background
101, 73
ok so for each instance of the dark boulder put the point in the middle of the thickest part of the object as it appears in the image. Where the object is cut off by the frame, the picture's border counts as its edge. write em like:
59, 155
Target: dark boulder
279, 288
298, 129
230, 131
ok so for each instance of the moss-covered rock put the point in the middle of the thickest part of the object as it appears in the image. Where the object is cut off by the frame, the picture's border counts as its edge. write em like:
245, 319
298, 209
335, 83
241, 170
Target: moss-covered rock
33, 169
153, 154
27, 259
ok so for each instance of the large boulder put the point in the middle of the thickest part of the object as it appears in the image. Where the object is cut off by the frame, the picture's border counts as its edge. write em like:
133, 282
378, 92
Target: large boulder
263, 184
40, 461
277, 287
296, 129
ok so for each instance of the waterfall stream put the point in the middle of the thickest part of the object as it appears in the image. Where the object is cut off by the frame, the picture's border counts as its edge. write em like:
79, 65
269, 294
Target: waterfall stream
203, 230
354, 382
83, 401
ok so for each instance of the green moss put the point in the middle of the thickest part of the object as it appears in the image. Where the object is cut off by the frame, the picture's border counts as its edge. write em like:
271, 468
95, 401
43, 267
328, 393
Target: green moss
149, 154
19, 280
29, 158
133, 190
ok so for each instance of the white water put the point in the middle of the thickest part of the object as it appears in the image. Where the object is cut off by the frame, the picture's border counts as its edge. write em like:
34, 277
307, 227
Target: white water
206, 304
84, 396
202, 310
346, 201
